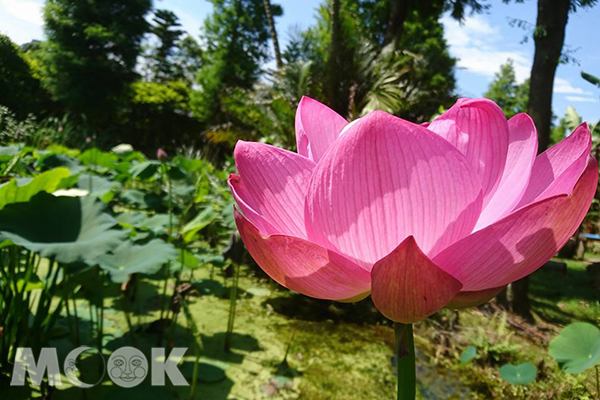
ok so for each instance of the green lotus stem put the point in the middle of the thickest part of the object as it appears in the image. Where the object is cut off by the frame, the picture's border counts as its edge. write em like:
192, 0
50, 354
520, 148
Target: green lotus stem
198, 348
232, 306
166, 179
405, 361
597, 383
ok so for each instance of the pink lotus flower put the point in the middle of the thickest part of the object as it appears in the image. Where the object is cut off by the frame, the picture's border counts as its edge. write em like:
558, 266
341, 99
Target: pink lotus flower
419, 217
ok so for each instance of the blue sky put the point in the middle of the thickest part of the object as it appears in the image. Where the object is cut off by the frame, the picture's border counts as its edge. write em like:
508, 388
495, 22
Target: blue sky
482, 43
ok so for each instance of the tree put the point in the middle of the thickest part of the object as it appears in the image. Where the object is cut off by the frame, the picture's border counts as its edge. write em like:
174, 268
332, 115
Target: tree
236, 36
90, 55
549, 38
507, 93
274, 37
166, 29
20, 88
409, 77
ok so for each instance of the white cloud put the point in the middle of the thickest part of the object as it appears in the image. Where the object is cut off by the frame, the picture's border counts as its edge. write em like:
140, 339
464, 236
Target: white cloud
26, 10
581, 99
564, 86
477, 45
21, 20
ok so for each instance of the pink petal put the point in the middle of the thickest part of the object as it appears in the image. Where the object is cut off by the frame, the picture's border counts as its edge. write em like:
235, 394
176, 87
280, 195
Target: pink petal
272, 184
520, 243
522, 149
478, 128
317, 127
408, 287
556, 170
385, 179
303, 266
473, 299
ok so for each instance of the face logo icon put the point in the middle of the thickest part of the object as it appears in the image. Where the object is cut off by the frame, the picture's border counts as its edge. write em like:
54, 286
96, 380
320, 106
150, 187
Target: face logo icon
127, 367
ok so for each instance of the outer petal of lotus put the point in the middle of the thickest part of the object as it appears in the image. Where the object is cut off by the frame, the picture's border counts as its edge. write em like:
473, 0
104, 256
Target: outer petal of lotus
522, 150
521, 242
478, 129
556, 170
386, 179
473, 299
271, 187
408, 287
303, 266
317, 127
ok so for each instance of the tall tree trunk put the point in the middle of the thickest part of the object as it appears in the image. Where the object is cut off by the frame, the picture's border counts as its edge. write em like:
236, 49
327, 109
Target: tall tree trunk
395, 25
549, 38
333, 63
273, 34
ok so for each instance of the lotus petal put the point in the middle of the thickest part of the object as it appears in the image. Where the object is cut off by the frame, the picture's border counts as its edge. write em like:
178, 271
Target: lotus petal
522, 149
386, 179
317, 127
272, 184
303, 266
556, 170
478, 129
408, 287
520, 243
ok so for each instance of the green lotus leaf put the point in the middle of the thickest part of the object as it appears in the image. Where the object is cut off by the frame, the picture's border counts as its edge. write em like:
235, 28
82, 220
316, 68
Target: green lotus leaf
49, 181
144, 170
468, 354
141, 199
131, 219
60, 160
201, 221
98, 186
67, 228
159, 223
97, 157
129, 258
522, 374
577, 348
188, 260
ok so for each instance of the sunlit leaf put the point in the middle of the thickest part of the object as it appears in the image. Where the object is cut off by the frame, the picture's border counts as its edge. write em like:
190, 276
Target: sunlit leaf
201, 221
522, 374
47, 181
577, 348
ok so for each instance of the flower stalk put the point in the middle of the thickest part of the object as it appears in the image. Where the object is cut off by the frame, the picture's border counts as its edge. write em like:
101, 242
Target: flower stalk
405, 361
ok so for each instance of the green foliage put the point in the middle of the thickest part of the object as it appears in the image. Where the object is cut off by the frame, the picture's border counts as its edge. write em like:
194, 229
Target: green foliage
590, 78
160, 115
577, 348
511, 96
410, 77
49, 181
165, 28
90, 54
130, 258
20, 90
237, 35
74, 229
522, 374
